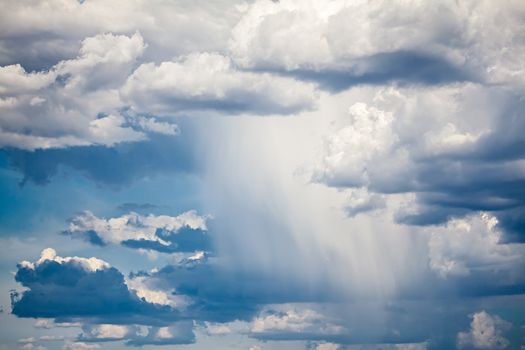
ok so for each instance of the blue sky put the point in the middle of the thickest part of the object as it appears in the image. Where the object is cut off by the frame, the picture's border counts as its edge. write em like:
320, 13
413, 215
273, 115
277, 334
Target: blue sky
317, 175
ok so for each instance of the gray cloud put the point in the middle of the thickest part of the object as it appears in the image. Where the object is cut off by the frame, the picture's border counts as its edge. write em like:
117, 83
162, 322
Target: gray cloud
73, 287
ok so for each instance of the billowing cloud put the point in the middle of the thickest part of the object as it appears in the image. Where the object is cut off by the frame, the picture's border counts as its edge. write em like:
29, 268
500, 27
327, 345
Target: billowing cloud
179, 333
470, 245
211, 82
430, 144
168, 234
402, 41
75, 102
199, 26
70, 287
486, 332
377, 204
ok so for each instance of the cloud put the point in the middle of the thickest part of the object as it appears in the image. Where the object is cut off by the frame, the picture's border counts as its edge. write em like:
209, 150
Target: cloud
471, 244
401, 67
73, 287
112, 167
180, 333
168, 234
106, 332
177, 333
31, 346
74, 103
49, 324
198, 27
367, 139
486, 332
385, 41
209, 81
427, 143
294, 324
79, 346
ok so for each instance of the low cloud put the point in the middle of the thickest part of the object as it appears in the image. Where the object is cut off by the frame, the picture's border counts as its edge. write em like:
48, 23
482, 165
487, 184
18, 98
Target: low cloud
168, 234
486, 332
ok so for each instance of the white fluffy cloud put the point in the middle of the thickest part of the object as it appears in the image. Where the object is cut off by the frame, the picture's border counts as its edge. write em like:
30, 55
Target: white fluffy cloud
209, 81
49, 254
140, 285
486, 332
470, 243
366, 140
295, 321
102, 332
76, 102
195, 25
294, 34
134, 226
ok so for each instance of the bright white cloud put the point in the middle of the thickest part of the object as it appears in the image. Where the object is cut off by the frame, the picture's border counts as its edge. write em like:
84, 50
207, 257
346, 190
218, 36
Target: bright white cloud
107, 331
367, 139
209, 81
49, 254
470, 243
294, 34
76, 102
134, 226
139, 284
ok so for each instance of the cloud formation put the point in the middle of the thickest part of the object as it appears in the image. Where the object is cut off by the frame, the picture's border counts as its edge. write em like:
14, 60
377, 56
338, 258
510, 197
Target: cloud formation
72, 287
168, 234
486, 332
363, 162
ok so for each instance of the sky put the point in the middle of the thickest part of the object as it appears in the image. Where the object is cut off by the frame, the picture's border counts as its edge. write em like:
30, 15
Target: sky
288, 174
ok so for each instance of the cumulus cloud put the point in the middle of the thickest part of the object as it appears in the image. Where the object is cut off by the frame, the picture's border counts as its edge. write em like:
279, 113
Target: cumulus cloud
402, 227
209, 81
486, 332
49, 324
432, 143
197, 27
472, 243
404, 41
294, 323
72, 103
79, 287
183, 233
75, 102
367, 139
107, 332
178, 333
